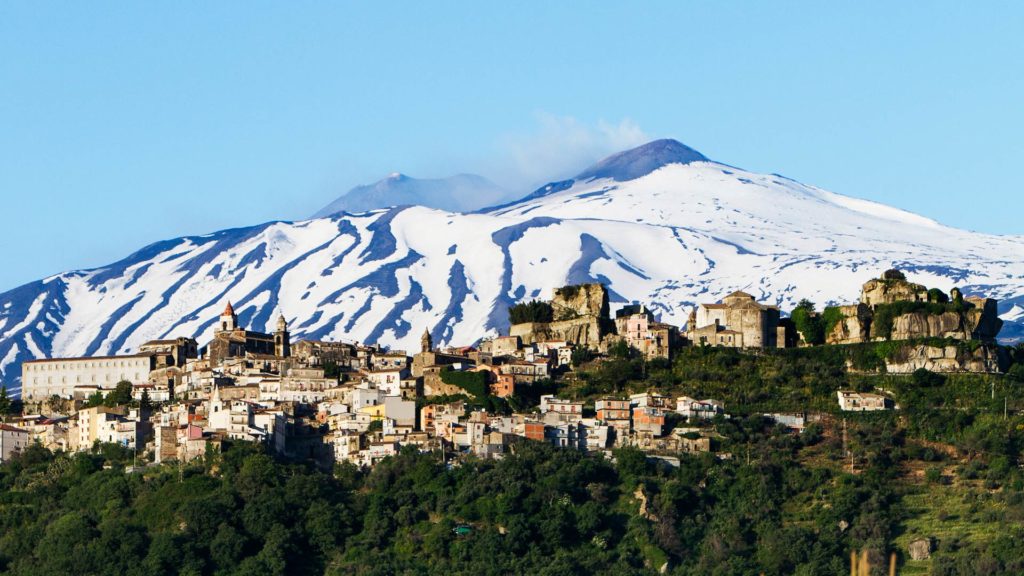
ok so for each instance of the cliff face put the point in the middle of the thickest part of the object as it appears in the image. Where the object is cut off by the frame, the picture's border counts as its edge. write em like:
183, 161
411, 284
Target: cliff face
925, 325
980, 322
586, 332
854, 327
584, 300
581, 318
983, 320
874, 319
983, 359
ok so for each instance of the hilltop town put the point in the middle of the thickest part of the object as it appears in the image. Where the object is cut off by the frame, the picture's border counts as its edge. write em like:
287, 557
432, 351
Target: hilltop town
175, 400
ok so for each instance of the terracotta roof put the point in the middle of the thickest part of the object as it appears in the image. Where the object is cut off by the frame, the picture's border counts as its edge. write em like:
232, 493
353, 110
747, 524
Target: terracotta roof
228, 310
9, 428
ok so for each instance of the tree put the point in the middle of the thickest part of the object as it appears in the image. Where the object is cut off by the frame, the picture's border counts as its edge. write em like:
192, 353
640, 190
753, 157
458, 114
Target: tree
533, 311
808, 322
5, 402
925, 378
120, 395
893, 274
937, 296
95, 399
144, 402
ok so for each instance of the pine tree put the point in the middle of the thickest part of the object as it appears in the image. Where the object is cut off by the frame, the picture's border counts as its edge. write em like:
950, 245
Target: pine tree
5, 402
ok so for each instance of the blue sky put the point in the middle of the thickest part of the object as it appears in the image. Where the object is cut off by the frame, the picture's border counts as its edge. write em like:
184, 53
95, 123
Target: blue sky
126, 123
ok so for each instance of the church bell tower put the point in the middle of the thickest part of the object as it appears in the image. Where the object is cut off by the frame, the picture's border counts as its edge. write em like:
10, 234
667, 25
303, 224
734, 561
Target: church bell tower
282, 340
228, 319
426, 342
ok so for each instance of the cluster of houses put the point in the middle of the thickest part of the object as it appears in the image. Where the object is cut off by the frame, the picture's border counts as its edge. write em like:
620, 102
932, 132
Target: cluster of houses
345, 401
330, 401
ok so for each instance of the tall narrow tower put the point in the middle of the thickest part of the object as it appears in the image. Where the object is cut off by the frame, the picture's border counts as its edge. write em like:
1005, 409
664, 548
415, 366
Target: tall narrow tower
426, 342
282, 340
228, 319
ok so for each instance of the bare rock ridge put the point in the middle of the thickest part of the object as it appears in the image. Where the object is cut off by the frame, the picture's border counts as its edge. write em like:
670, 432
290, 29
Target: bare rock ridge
642, 160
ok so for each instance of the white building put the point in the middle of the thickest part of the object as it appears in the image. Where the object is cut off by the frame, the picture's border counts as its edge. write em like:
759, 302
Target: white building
389, 380
862, 401
704, 409
548, 403
365, 394
42, 379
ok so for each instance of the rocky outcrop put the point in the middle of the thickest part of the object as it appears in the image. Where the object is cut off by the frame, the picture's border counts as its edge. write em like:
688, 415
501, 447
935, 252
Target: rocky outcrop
581, 318
926, 314
920, 549
925, 325
979, 321
983, 321
854, 327
984, 359
586, 332
582, 300
888, 290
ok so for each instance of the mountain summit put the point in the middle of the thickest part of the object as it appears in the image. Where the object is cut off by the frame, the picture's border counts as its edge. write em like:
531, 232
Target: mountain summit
642, 160
459, 193
657, 224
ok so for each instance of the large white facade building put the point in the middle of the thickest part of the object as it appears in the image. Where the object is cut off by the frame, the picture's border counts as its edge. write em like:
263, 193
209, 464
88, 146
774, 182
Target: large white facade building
42, 379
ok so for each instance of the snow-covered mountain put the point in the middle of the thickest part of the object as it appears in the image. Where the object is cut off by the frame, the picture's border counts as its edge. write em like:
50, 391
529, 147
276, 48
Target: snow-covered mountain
459, 193
659, 224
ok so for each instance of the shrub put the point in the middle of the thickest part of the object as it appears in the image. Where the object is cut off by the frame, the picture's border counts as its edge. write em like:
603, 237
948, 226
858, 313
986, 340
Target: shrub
533, 311
581, 356
893, 274
568, 292
831, 316
927, 379
473, 382
808, 323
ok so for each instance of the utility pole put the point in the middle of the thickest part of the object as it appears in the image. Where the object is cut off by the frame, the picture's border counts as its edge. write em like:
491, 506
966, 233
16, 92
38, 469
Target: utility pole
845, 448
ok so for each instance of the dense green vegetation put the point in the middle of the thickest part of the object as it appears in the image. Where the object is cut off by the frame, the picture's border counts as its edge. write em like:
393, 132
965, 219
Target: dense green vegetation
475, 383
784, 503
814, 327
532, 311
945, 466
